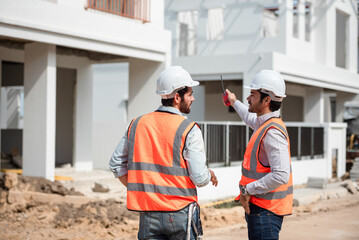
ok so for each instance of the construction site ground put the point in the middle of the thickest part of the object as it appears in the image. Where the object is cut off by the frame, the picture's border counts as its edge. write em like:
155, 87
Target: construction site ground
35, 208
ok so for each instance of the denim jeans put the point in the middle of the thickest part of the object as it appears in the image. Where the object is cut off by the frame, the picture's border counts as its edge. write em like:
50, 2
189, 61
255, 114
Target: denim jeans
168, 225
262, 224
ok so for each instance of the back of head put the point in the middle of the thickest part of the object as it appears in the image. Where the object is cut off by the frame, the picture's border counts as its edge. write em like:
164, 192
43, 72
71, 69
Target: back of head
172, 80
271, 83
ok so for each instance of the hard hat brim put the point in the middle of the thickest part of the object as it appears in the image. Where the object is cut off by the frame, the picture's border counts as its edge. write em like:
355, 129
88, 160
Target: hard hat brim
194, 84
279, 95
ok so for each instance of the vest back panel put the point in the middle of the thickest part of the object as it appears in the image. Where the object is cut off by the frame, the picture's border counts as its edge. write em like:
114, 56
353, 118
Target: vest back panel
158, 177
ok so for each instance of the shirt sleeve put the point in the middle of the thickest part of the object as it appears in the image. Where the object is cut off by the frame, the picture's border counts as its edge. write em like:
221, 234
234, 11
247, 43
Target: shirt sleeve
249, 118
119, 158
275, 146
195, 156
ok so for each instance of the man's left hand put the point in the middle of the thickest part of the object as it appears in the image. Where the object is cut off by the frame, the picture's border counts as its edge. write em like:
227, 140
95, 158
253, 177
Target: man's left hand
245, 202
213, 178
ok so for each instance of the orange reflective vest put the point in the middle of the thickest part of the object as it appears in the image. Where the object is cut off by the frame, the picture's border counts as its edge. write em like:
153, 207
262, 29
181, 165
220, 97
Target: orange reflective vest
158, 177
280, 200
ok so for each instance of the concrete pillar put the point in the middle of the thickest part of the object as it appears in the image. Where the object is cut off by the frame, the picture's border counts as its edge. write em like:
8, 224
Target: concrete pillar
83, 157
314, 105
39, 110
142, 97
301, 19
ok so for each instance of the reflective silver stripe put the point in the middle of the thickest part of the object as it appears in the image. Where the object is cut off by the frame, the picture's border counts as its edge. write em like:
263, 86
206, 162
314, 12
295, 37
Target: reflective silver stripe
175, 171
177, 143
131, 142
276, 195
255, 175
252, 173
174, 191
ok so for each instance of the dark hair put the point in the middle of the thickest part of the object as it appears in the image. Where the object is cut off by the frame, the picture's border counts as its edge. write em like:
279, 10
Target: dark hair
169, 102
273, 105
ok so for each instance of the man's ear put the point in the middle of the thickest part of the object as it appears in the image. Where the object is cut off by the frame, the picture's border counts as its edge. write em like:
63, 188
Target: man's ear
267, 100
177, 98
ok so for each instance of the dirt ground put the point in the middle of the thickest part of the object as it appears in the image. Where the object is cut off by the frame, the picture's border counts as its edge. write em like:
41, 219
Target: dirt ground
324, 220
35, 208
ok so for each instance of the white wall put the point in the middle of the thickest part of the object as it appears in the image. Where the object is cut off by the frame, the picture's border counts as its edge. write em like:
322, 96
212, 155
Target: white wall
336, 140
142, 87
110, 110
228, 185
303, 169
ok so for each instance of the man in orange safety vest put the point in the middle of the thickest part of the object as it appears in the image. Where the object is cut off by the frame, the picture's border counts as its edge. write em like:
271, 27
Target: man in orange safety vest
266, 185
161, 160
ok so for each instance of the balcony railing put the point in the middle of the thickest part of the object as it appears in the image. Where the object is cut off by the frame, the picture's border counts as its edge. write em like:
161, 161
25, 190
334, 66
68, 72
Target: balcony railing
136, 9
225, 142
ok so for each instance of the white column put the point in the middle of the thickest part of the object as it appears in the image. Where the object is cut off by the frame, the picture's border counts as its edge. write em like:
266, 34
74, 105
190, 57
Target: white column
83, 157
319, 32
352, 48
330, 33
286, 21
301, 19
39, 110
142, 97
314, 105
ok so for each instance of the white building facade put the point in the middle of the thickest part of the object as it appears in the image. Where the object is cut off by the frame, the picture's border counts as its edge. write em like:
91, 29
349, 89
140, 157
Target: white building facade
56, 107
312, 44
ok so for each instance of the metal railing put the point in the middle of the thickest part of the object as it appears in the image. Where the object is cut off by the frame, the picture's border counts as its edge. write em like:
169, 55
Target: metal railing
136, 9
225, 142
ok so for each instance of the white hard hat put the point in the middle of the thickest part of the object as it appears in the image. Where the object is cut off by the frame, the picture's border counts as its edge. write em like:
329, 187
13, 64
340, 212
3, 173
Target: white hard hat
269, 82
172, 79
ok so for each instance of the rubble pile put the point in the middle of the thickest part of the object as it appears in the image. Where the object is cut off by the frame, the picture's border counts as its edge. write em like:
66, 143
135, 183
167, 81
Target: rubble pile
46, 210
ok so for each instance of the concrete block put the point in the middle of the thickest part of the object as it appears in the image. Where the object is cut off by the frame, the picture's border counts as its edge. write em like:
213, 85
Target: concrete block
100, 188
314, 182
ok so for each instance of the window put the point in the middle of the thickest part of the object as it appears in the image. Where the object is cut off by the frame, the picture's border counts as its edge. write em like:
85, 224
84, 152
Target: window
341, 39
215, 24
187, 33
270, 23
